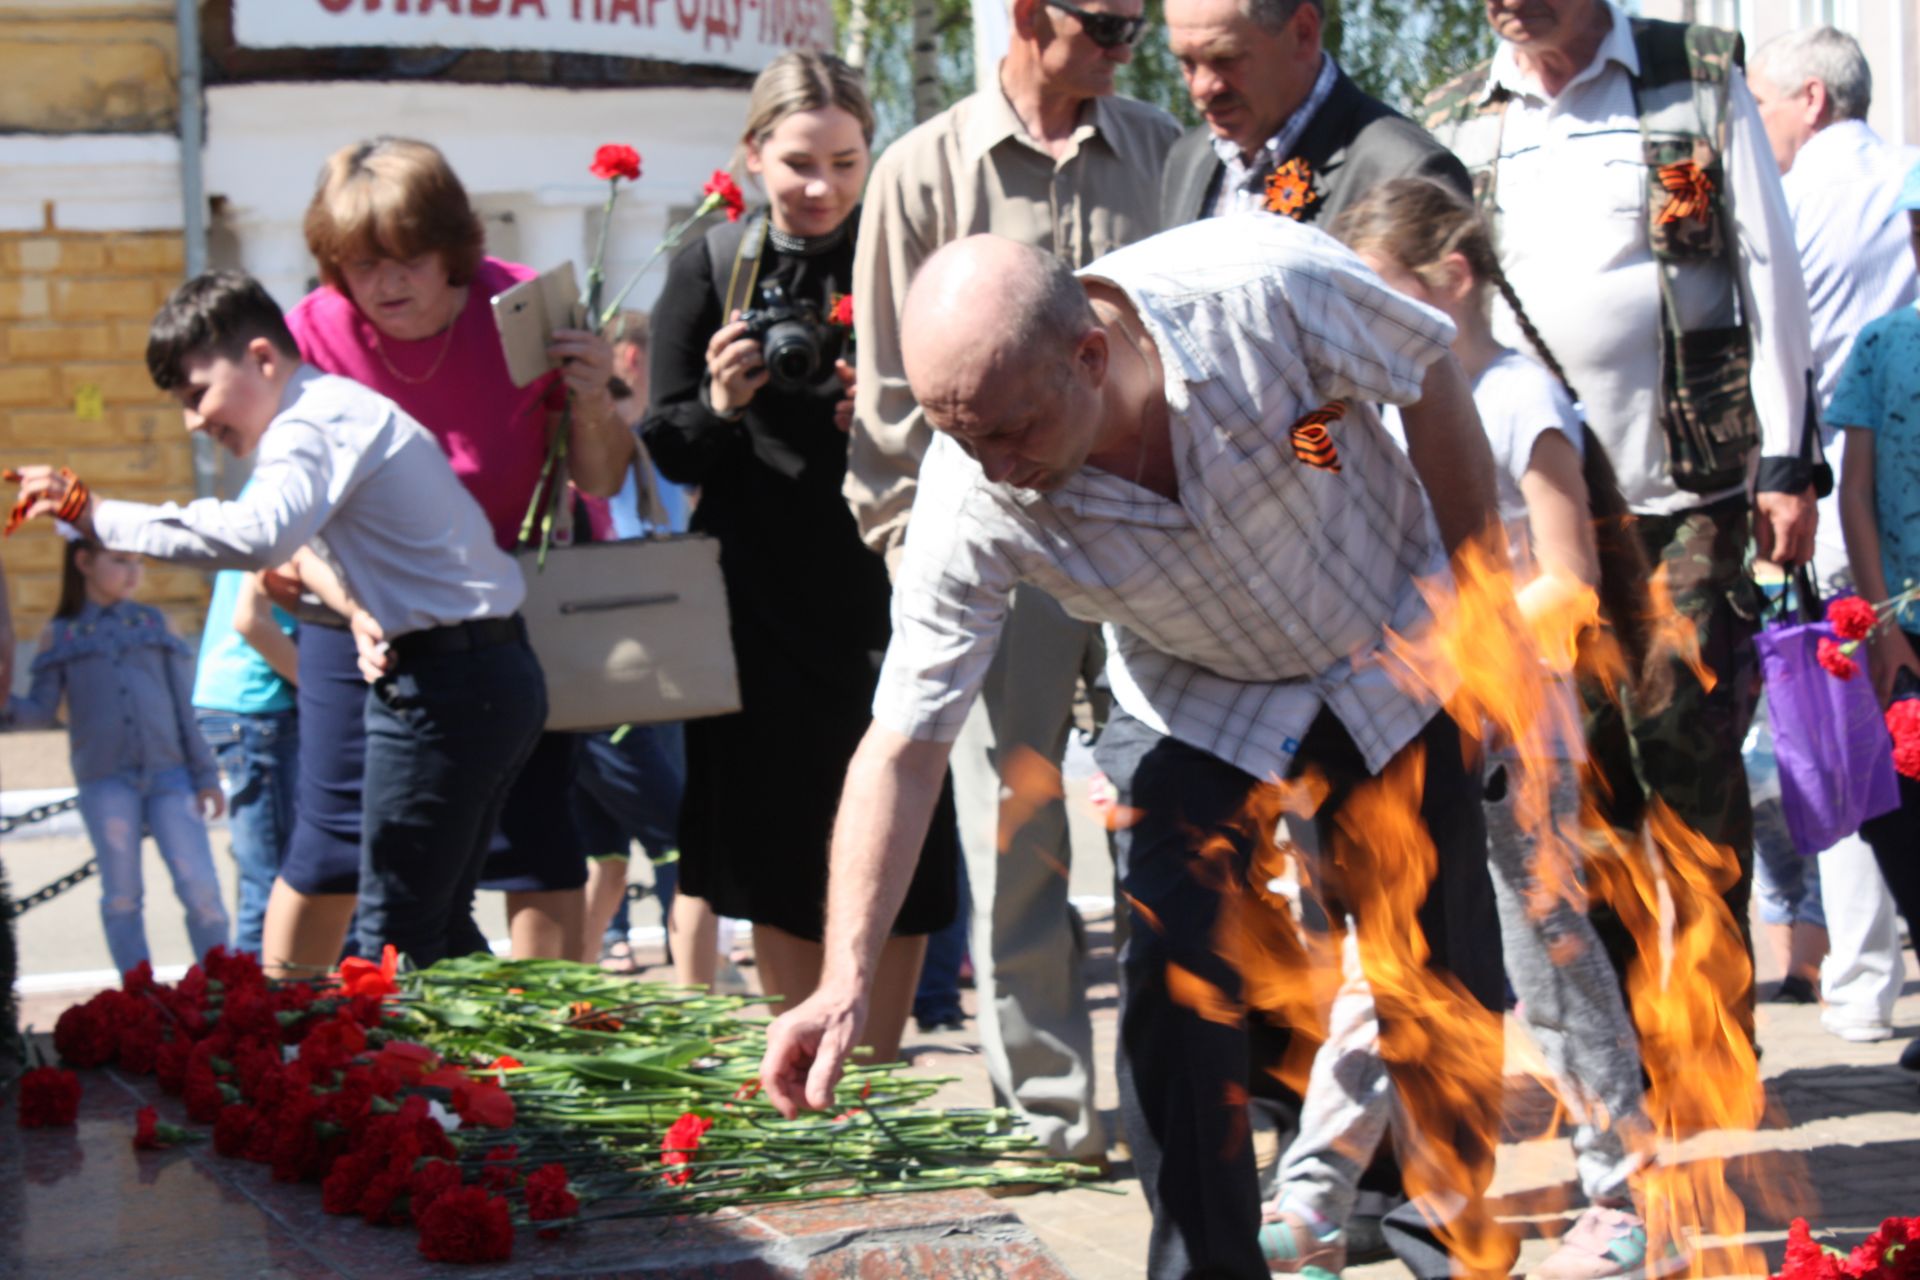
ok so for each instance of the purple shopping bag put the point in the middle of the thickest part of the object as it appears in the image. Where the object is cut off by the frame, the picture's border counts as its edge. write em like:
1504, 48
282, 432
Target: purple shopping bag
1829, 738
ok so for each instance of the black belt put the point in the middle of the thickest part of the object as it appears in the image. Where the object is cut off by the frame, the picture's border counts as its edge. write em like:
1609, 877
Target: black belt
461, 637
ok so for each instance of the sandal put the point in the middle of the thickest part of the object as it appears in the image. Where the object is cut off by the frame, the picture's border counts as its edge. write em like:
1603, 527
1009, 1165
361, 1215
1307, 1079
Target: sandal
617, 957
1291, 1248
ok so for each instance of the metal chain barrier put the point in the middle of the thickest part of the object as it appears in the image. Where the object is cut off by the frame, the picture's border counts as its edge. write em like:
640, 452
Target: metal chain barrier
47, 893
39, 813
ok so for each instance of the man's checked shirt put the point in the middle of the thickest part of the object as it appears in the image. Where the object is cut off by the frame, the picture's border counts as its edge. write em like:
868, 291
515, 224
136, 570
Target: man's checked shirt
1237, 612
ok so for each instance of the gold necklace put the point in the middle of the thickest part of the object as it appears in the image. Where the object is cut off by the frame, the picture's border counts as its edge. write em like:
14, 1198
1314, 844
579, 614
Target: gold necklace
446, 345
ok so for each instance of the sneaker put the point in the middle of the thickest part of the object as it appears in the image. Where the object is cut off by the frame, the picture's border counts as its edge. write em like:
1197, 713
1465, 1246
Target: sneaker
1794, 989
1857, 1032
1606, 1243
1291, 1247
940, 1022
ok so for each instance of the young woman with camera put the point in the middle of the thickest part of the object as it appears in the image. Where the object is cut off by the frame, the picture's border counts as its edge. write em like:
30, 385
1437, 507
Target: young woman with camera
751, 399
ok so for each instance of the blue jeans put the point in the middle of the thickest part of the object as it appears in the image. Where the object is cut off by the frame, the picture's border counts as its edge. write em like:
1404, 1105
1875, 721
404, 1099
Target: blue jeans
447, 733
630, 790
118, 812
259, 758
937, 999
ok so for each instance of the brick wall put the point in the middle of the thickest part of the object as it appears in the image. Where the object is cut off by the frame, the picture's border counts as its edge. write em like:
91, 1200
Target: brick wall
88, 66
74, 310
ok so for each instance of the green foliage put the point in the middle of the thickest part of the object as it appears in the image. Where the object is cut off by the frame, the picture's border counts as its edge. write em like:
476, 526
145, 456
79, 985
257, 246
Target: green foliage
1153, 76
1397, 50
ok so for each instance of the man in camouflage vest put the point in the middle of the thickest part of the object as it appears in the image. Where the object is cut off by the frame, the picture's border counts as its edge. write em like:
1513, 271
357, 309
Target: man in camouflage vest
1643, 227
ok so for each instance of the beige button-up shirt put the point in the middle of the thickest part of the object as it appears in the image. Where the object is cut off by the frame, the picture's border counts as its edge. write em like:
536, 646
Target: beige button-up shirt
971, 169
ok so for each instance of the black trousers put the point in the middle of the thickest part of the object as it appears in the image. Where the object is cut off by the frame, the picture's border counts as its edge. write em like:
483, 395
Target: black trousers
447, 733
1183, 1067
1895, 841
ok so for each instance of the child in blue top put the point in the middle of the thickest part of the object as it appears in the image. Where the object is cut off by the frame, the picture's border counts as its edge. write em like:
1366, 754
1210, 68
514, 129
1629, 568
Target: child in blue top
138, 756
243, 691
1877, 402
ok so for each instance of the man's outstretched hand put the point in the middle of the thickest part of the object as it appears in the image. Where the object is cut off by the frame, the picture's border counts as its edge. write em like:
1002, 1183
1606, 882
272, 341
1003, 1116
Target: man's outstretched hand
807, 1048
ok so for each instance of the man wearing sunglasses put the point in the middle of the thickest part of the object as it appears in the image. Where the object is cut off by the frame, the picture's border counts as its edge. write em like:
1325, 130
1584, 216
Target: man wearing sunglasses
1286, 131
1051, 158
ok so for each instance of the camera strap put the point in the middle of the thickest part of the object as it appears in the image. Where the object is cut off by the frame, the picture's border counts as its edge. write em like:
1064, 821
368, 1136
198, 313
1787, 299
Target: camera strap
746, 265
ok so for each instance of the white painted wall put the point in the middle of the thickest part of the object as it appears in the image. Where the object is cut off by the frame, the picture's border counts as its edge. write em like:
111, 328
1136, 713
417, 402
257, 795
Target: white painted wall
521, 151
90, 182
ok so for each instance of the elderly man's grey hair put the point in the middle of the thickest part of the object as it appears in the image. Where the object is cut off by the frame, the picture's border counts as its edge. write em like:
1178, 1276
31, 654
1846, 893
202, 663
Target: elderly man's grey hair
1271, 15
1820, 53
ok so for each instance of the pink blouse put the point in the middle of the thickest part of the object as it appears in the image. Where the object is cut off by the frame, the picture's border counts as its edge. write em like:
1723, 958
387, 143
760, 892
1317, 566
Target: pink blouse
494, 433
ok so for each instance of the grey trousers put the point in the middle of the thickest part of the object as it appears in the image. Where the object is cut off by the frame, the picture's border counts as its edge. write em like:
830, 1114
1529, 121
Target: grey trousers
1570, 1003
1028, 949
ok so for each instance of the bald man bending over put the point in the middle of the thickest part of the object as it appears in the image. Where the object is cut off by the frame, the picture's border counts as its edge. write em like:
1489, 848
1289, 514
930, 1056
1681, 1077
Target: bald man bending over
1140, 442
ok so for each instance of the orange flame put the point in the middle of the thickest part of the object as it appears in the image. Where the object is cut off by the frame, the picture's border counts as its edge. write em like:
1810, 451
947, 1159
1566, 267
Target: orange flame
1487, 663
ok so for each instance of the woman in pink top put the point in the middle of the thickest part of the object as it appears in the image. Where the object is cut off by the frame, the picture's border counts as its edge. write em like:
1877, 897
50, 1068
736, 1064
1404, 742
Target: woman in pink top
405, 307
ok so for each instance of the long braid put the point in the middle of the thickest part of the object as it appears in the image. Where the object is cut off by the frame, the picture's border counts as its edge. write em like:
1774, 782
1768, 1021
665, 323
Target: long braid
1498, 279
1420, 223
1624, 568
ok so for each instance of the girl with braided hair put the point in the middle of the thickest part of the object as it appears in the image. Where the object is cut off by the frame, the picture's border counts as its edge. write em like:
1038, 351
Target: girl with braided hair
1568, 532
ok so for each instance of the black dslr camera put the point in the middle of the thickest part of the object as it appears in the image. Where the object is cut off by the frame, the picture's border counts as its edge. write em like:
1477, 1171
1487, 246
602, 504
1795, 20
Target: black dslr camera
793, 338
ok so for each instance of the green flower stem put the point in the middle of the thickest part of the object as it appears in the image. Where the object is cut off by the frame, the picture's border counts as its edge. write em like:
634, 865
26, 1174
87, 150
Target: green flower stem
669, 242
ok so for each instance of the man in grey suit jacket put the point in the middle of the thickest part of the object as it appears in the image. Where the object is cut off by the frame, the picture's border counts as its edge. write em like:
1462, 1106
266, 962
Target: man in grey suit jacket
1286, 129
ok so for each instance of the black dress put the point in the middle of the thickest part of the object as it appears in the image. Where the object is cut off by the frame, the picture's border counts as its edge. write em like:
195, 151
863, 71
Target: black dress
809, 605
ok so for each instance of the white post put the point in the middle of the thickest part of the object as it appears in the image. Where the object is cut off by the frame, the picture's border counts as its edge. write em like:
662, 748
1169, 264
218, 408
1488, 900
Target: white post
992, 33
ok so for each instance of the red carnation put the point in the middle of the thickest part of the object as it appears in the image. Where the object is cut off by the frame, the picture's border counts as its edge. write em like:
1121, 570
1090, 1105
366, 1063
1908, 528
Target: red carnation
138, 979
83, 1037
484, 1103
1888, 1254
234, 969
498, 1172
1835, 660
360, 977
843, 311
677, 1148
614, 161
232, 1129
431, 1180
1903, 723
381, 1202
346, 1182
406, 1060
466, 1225
151, 1133
1806, 1260
49, 1098
170, 1065
722, 187
547, 1194
1851, 617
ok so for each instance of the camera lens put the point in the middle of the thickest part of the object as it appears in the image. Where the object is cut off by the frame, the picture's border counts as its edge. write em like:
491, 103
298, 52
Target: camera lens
791, 353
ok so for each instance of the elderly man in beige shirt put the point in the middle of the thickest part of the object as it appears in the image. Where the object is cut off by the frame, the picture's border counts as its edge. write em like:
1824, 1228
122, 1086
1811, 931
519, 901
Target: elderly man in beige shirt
1054, 159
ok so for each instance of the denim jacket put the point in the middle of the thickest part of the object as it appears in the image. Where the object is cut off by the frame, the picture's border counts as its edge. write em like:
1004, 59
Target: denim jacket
128, 685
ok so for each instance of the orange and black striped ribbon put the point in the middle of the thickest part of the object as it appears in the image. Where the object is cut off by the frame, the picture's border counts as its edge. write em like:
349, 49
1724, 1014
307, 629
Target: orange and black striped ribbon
1311, 442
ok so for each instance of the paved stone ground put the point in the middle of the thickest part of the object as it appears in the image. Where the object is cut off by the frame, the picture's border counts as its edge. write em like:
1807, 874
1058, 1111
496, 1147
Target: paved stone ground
1841, 1146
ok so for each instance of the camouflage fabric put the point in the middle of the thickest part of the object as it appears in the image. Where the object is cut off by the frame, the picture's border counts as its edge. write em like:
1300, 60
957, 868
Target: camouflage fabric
1681, 94
1459, 98
1687, 751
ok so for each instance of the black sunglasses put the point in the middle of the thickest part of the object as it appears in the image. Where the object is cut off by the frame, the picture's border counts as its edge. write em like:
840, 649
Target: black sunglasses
1108, 30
